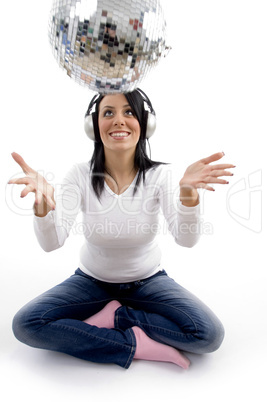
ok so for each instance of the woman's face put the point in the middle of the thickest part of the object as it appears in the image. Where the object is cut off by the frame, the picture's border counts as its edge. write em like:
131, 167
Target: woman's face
119, 129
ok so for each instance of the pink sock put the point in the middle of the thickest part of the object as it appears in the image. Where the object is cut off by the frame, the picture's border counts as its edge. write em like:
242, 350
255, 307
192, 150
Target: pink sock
148, 349
105, 317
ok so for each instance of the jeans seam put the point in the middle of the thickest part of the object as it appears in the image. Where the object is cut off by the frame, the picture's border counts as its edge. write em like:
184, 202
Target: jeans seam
116, 319
167, 305
54, 323
158, 329
72, 305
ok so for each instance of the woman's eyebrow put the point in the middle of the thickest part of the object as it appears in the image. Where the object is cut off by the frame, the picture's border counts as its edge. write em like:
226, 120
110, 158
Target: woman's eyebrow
112, 107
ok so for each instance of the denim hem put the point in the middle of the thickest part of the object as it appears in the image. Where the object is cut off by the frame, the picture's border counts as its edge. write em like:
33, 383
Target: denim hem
132, 336
133, 349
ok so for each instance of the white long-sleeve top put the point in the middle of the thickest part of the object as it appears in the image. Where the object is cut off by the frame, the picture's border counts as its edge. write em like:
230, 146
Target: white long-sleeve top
120, 230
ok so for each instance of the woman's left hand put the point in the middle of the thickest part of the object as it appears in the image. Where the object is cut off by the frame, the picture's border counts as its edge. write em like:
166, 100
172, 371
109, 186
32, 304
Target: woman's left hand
199, 175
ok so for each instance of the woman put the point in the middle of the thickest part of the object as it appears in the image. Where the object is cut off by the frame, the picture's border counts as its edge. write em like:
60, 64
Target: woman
120, 304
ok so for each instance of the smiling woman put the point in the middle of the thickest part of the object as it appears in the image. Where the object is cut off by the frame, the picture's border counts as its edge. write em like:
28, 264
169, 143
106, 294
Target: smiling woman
121, 124
118, 125
120, 304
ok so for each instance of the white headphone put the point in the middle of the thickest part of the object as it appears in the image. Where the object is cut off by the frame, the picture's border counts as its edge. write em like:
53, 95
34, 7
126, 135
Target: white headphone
89, 121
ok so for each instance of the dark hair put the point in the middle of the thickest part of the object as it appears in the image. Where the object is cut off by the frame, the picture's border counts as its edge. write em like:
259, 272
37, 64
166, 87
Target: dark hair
141, 162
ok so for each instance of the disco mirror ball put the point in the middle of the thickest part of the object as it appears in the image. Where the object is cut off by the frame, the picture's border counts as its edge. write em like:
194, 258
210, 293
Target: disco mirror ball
107, 45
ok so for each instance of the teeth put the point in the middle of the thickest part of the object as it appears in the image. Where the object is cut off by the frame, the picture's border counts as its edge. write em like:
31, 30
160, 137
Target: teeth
119, 135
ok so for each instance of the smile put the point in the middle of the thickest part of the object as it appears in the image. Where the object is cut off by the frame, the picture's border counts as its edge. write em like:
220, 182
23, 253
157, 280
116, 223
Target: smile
119, 134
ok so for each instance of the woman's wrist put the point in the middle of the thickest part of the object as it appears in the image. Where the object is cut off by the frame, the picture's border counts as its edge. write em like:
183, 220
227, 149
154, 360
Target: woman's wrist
189, 196
41, 210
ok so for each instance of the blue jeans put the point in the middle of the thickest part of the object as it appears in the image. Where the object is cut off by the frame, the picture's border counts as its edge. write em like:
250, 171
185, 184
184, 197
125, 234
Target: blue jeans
163, 309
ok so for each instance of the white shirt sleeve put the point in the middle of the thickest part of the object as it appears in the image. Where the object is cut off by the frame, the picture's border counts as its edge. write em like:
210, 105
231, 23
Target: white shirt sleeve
53, 229
183, 222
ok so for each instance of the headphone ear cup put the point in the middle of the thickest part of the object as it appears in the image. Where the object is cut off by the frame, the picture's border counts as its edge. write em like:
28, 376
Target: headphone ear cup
89, 127
151, 125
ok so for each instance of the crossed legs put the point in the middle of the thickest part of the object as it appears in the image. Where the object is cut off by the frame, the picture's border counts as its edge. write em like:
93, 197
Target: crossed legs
148, 314
146, 348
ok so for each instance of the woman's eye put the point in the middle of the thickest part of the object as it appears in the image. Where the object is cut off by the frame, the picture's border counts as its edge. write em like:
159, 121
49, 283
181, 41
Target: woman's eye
108, 113
129, 112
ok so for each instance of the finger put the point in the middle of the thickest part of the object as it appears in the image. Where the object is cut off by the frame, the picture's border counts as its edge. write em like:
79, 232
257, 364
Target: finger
219, 173
23, 180
205, 187
21, 162
224, 166
38, 197
212, 158
28, 189
50, 202
214, 180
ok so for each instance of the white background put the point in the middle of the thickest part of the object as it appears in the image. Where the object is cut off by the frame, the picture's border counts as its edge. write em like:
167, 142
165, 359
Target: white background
210, 96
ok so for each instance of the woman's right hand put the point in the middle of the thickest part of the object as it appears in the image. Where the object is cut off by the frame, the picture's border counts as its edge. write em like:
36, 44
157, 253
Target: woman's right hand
35, 183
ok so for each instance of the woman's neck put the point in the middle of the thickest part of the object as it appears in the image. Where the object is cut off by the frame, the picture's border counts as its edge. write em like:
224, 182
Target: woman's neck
119, 165
121, 172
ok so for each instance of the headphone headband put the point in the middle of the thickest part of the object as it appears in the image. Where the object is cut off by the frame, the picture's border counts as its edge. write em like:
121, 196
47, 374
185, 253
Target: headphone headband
91, 104
89, 123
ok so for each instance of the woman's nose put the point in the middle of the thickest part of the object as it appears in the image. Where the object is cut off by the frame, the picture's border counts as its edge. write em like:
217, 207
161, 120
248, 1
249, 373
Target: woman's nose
119, 120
